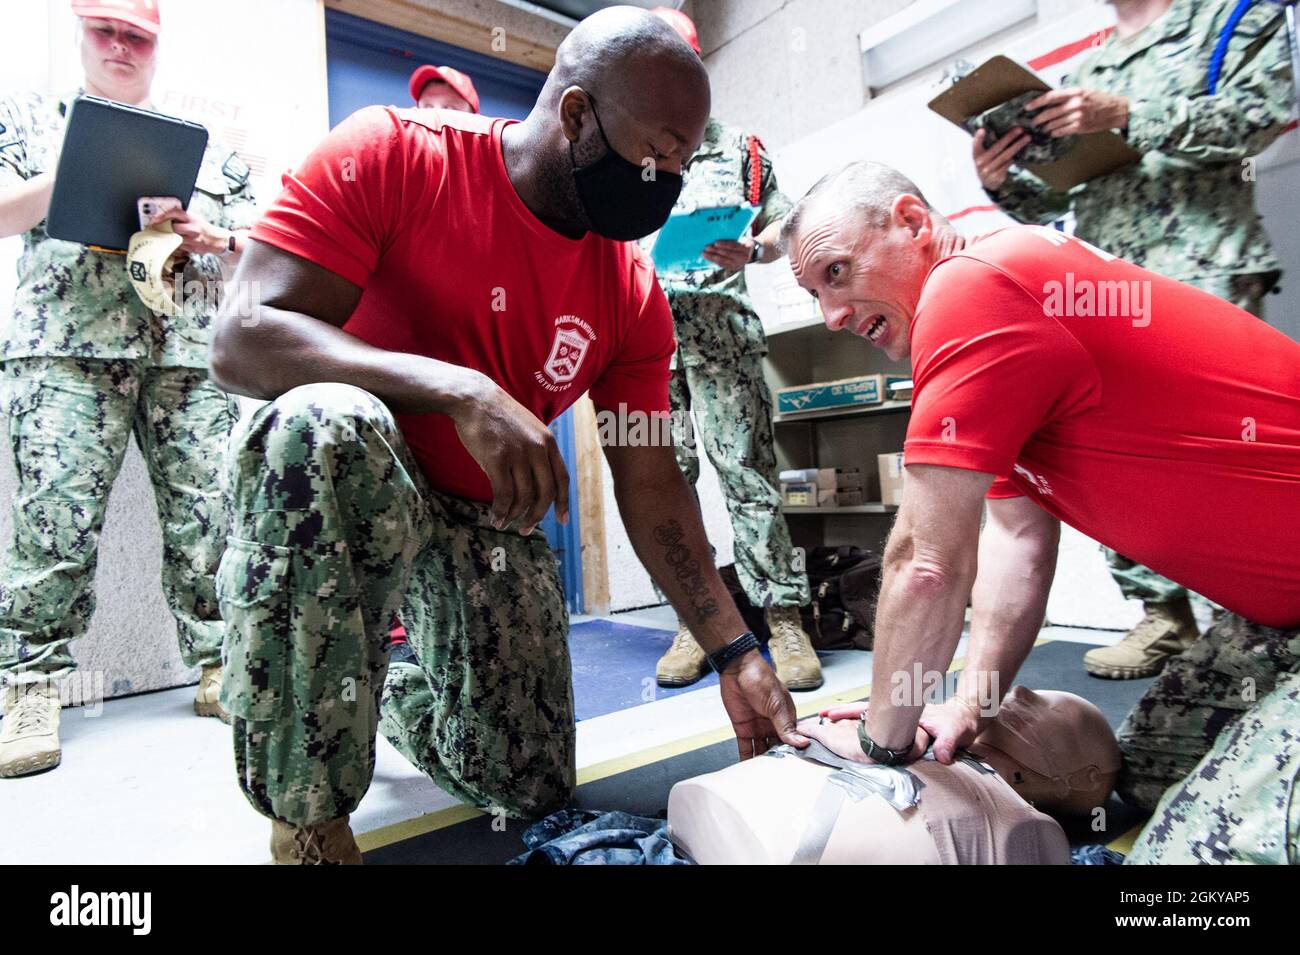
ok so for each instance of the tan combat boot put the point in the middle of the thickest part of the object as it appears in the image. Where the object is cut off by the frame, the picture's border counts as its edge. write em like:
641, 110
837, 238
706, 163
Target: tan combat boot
29, 733
684, 663
792, 653
1166, 631
328, 843
207, 701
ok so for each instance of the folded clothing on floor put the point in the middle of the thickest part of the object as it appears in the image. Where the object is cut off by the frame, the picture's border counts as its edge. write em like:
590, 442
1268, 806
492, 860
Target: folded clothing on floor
587, 837
1095, 855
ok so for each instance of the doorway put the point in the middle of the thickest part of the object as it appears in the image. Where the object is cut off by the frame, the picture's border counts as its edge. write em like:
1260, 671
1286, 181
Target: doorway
370, 63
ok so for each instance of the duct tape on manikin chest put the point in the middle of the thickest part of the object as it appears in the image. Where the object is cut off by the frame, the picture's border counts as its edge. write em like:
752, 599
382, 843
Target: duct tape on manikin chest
853, 781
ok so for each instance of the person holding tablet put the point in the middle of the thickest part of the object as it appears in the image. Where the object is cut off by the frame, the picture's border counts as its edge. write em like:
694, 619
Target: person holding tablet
84, 365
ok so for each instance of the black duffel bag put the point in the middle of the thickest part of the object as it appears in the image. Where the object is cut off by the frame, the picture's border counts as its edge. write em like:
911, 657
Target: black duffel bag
844, 582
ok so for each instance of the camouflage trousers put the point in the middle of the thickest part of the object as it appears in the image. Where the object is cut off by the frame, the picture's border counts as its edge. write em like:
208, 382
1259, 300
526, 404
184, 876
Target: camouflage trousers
1215, 704
70, 420
1136, 581
733, 406
1241, 804
333, 530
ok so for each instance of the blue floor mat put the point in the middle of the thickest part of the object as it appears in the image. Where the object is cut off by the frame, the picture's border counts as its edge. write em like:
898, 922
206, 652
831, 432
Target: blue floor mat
614, 667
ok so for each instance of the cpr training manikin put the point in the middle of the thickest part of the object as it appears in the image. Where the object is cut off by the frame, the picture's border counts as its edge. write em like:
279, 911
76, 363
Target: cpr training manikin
1046, 751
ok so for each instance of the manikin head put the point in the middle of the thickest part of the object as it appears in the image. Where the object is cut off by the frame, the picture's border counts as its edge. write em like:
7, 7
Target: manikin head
1055, 749
119, 47
861, 242
622, 111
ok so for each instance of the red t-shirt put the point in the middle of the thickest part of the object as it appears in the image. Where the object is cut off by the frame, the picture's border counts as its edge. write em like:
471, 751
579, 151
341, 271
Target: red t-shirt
1167, 428
415, 208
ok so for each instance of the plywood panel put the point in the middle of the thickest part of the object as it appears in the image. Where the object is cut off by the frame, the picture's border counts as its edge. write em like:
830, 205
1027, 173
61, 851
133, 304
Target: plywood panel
504, 40
591, 509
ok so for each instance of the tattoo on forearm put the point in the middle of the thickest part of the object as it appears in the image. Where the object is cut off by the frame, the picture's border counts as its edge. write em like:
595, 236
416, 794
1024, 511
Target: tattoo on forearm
686, 569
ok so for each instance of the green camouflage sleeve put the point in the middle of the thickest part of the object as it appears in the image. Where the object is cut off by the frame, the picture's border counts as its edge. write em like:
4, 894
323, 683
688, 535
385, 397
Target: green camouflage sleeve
773, 203
1026, 198
239, 212
239, 207
1249, 111
13, 144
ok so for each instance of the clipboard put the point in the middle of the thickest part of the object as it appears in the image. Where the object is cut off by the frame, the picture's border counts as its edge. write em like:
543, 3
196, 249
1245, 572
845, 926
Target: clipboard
1001, 78
112, 155
686, 234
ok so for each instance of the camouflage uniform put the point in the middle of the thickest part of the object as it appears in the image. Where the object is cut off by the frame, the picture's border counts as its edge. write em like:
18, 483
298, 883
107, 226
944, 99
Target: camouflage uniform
85, 365
1241, 803
1187, 209
333, 530
718, 373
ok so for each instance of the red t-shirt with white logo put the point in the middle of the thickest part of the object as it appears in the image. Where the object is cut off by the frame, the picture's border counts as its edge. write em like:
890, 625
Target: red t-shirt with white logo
1152, 416
415, 208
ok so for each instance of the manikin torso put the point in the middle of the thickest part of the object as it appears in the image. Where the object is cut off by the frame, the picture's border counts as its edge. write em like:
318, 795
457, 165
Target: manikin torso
782, 807
762, 812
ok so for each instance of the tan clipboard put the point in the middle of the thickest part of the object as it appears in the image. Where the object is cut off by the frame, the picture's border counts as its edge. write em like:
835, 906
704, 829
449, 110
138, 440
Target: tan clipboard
1001, 78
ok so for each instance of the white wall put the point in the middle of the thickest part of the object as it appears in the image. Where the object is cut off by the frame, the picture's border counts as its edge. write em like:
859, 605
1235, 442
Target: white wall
253, 72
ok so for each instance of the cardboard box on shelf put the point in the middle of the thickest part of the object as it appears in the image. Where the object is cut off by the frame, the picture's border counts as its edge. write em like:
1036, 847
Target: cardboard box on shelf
898, 389
799, 495
849, 498
849, 478
892, 477
826, 497
823, 395
824, 478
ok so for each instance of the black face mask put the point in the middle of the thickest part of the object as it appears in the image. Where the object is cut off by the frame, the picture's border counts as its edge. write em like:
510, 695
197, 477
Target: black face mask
619, 203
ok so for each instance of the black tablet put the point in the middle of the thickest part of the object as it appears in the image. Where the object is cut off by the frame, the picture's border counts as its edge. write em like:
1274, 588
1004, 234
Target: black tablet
113, 155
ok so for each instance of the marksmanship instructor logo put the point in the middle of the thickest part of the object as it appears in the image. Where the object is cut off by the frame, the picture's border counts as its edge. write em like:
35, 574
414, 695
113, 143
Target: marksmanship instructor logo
76, 908
573, 339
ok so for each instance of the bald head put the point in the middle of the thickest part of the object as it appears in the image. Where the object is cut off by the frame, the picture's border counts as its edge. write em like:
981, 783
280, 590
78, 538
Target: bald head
627, 52
623, 110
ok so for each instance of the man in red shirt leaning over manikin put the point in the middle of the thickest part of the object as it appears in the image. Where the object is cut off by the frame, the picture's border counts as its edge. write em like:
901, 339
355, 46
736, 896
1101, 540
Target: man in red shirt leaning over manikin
1055, 382
429, 290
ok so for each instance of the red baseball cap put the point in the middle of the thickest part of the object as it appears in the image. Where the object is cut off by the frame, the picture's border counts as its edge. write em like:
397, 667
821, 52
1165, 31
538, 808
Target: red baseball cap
680, 22
457, 80
138, 13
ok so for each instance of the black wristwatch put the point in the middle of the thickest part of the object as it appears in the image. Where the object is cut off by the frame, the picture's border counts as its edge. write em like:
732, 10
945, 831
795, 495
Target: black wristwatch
756, 252
736, 648
881, 754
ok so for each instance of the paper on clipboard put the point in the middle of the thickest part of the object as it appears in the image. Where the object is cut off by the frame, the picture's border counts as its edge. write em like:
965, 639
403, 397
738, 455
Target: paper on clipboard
999, 79
686, 234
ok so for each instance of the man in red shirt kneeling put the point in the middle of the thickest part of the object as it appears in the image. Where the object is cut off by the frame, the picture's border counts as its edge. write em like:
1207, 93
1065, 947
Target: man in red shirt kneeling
1055, 382
429, 290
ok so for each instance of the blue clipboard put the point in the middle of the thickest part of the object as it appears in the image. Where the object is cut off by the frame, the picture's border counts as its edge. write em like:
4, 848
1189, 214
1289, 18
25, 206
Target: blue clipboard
685, 235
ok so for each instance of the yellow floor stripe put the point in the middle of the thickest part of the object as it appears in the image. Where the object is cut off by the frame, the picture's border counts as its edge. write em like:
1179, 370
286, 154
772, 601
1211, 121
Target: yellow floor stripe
1125, 842
431, 822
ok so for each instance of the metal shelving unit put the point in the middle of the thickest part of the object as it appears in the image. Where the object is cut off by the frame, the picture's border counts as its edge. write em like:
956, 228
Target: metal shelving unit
804, 351
872, 508
798, 417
